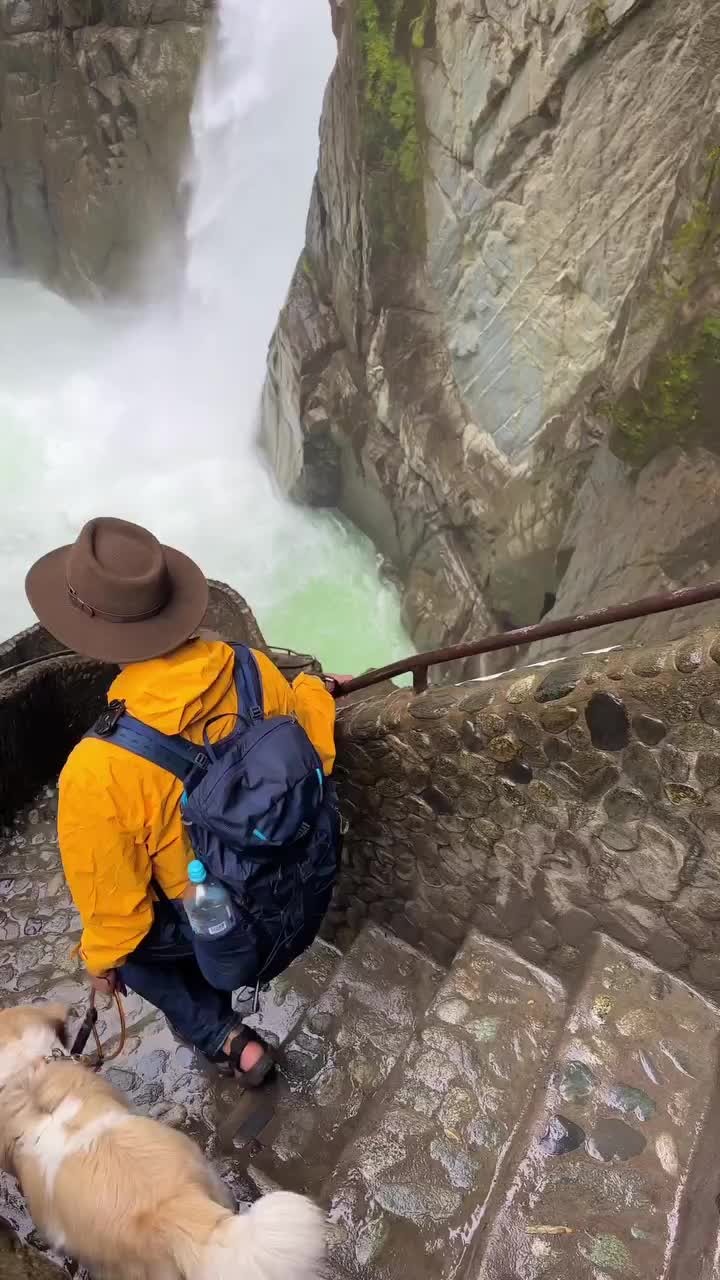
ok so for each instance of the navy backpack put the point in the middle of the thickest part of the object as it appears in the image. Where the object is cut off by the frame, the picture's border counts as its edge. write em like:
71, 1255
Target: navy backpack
262, 817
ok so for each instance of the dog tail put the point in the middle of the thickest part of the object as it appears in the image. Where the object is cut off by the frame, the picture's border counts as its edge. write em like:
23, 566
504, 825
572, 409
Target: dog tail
282, 1237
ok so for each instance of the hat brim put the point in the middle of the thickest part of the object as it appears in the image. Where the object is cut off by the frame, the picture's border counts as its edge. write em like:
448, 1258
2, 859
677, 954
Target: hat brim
118, 642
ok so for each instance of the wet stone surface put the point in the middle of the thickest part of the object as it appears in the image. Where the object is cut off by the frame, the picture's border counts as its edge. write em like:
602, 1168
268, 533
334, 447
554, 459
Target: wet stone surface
561, 681
608, 722
343, 1050
538, 823
575, 1082
611, 787
644, 1115
38, 930
429, 1149
561, 1137
632, 1102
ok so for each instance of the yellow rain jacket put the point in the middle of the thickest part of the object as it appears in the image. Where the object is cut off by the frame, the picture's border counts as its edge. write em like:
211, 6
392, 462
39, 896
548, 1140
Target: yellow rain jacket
119, 816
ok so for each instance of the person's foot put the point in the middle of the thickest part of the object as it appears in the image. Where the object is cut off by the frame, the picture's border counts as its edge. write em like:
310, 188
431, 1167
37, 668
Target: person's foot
251, 1054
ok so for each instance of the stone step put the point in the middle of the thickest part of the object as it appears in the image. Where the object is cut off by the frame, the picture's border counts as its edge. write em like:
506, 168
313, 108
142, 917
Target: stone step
697, 1256
283, 1004
345, 1048
410, 1191
602, 1189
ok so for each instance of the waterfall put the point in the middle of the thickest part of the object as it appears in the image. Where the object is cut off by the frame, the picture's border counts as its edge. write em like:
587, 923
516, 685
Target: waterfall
150, 413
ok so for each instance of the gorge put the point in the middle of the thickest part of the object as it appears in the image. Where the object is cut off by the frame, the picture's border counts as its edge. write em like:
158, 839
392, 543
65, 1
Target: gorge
146, 404
499, 351
498, 358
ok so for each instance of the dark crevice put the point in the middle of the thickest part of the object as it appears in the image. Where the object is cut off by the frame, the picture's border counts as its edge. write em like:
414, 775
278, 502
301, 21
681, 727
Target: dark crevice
12, 236
312, 370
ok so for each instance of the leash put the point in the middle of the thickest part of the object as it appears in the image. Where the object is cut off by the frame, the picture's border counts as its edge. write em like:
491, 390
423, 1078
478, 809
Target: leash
88, 1027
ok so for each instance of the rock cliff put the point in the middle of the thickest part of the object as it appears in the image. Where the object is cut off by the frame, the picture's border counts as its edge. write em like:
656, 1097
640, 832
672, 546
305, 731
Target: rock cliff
95, 98
500, 351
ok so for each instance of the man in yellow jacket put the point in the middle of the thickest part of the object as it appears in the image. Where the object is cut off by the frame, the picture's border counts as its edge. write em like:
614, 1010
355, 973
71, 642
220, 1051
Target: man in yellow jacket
118, 595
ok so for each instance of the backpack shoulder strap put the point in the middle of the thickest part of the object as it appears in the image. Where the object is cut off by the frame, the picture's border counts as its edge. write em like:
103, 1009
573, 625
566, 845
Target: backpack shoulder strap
248, 683
173, 753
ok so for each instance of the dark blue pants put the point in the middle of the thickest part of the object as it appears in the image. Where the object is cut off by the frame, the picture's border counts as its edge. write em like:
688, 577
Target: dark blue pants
189, 979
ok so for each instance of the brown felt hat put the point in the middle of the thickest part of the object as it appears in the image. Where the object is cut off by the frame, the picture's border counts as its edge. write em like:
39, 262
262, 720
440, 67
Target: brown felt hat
117, 594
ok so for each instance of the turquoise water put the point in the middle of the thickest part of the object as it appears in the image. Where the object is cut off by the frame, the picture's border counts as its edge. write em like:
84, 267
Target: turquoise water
98, 416
347, 615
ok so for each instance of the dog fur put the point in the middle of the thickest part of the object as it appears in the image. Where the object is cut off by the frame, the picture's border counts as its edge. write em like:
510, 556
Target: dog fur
122, 1194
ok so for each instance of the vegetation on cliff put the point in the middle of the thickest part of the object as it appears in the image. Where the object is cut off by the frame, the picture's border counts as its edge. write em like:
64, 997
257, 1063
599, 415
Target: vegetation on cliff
598, 23
388, 33
676, 405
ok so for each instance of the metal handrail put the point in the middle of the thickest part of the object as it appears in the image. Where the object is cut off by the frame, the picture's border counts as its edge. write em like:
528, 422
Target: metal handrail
419, 664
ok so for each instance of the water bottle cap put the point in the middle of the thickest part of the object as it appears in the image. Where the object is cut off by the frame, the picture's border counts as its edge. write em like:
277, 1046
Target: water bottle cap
196, 872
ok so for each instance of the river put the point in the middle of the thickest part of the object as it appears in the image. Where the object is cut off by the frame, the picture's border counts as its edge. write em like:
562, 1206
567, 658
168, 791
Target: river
150, 413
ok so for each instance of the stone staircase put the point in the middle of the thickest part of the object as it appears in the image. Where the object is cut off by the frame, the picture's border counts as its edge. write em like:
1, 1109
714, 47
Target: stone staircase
487, 1123
482, 1121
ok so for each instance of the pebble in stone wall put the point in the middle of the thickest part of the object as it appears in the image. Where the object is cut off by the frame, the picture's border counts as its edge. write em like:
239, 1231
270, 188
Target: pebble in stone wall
542, 805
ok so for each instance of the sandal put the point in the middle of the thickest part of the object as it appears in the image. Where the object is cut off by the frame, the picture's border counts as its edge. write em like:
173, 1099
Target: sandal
264, 1067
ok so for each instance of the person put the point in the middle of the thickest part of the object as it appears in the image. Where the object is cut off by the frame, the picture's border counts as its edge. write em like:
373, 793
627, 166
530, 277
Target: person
118, 595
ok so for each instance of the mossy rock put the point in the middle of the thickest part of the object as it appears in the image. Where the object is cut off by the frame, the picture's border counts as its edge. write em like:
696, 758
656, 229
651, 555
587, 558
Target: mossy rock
388, 34
678, 403
597, 21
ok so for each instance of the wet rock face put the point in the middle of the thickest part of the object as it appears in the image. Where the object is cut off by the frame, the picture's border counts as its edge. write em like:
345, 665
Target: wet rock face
539, 821
524, 209
93, 128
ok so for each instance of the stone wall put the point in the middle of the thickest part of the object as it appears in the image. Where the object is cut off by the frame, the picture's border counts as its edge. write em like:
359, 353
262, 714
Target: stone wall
501, 347
543, 805
537, 806
95, 99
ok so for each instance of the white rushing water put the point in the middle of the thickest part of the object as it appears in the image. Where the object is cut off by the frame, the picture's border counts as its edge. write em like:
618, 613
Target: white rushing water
151, 414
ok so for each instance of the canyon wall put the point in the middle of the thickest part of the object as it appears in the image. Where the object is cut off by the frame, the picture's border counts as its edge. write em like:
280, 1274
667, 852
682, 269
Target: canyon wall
500, 351
95, 99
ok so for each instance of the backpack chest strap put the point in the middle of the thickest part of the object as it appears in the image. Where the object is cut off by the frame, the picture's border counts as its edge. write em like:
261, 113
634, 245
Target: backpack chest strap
172, 753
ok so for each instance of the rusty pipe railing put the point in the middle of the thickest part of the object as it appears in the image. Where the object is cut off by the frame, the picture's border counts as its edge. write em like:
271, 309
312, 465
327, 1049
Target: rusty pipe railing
419, 664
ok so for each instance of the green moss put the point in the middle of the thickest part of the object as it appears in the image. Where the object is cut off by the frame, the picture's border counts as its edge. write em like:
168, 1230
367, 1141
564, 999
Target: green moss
419, 26
676, 403
692, 243
387, 32
692, 236
675, 406
596, 19
306, 266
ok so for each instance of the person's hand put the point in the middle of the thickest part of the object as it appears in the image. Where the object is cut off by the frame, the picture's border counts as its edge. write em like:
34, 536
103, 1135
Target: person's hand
334, 683
105, 983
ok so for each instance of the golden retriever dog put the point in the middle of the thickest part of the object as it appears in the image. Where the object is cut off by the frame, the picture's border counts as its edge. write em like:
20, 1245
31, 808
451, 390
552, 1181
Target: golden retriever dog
122, 1194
